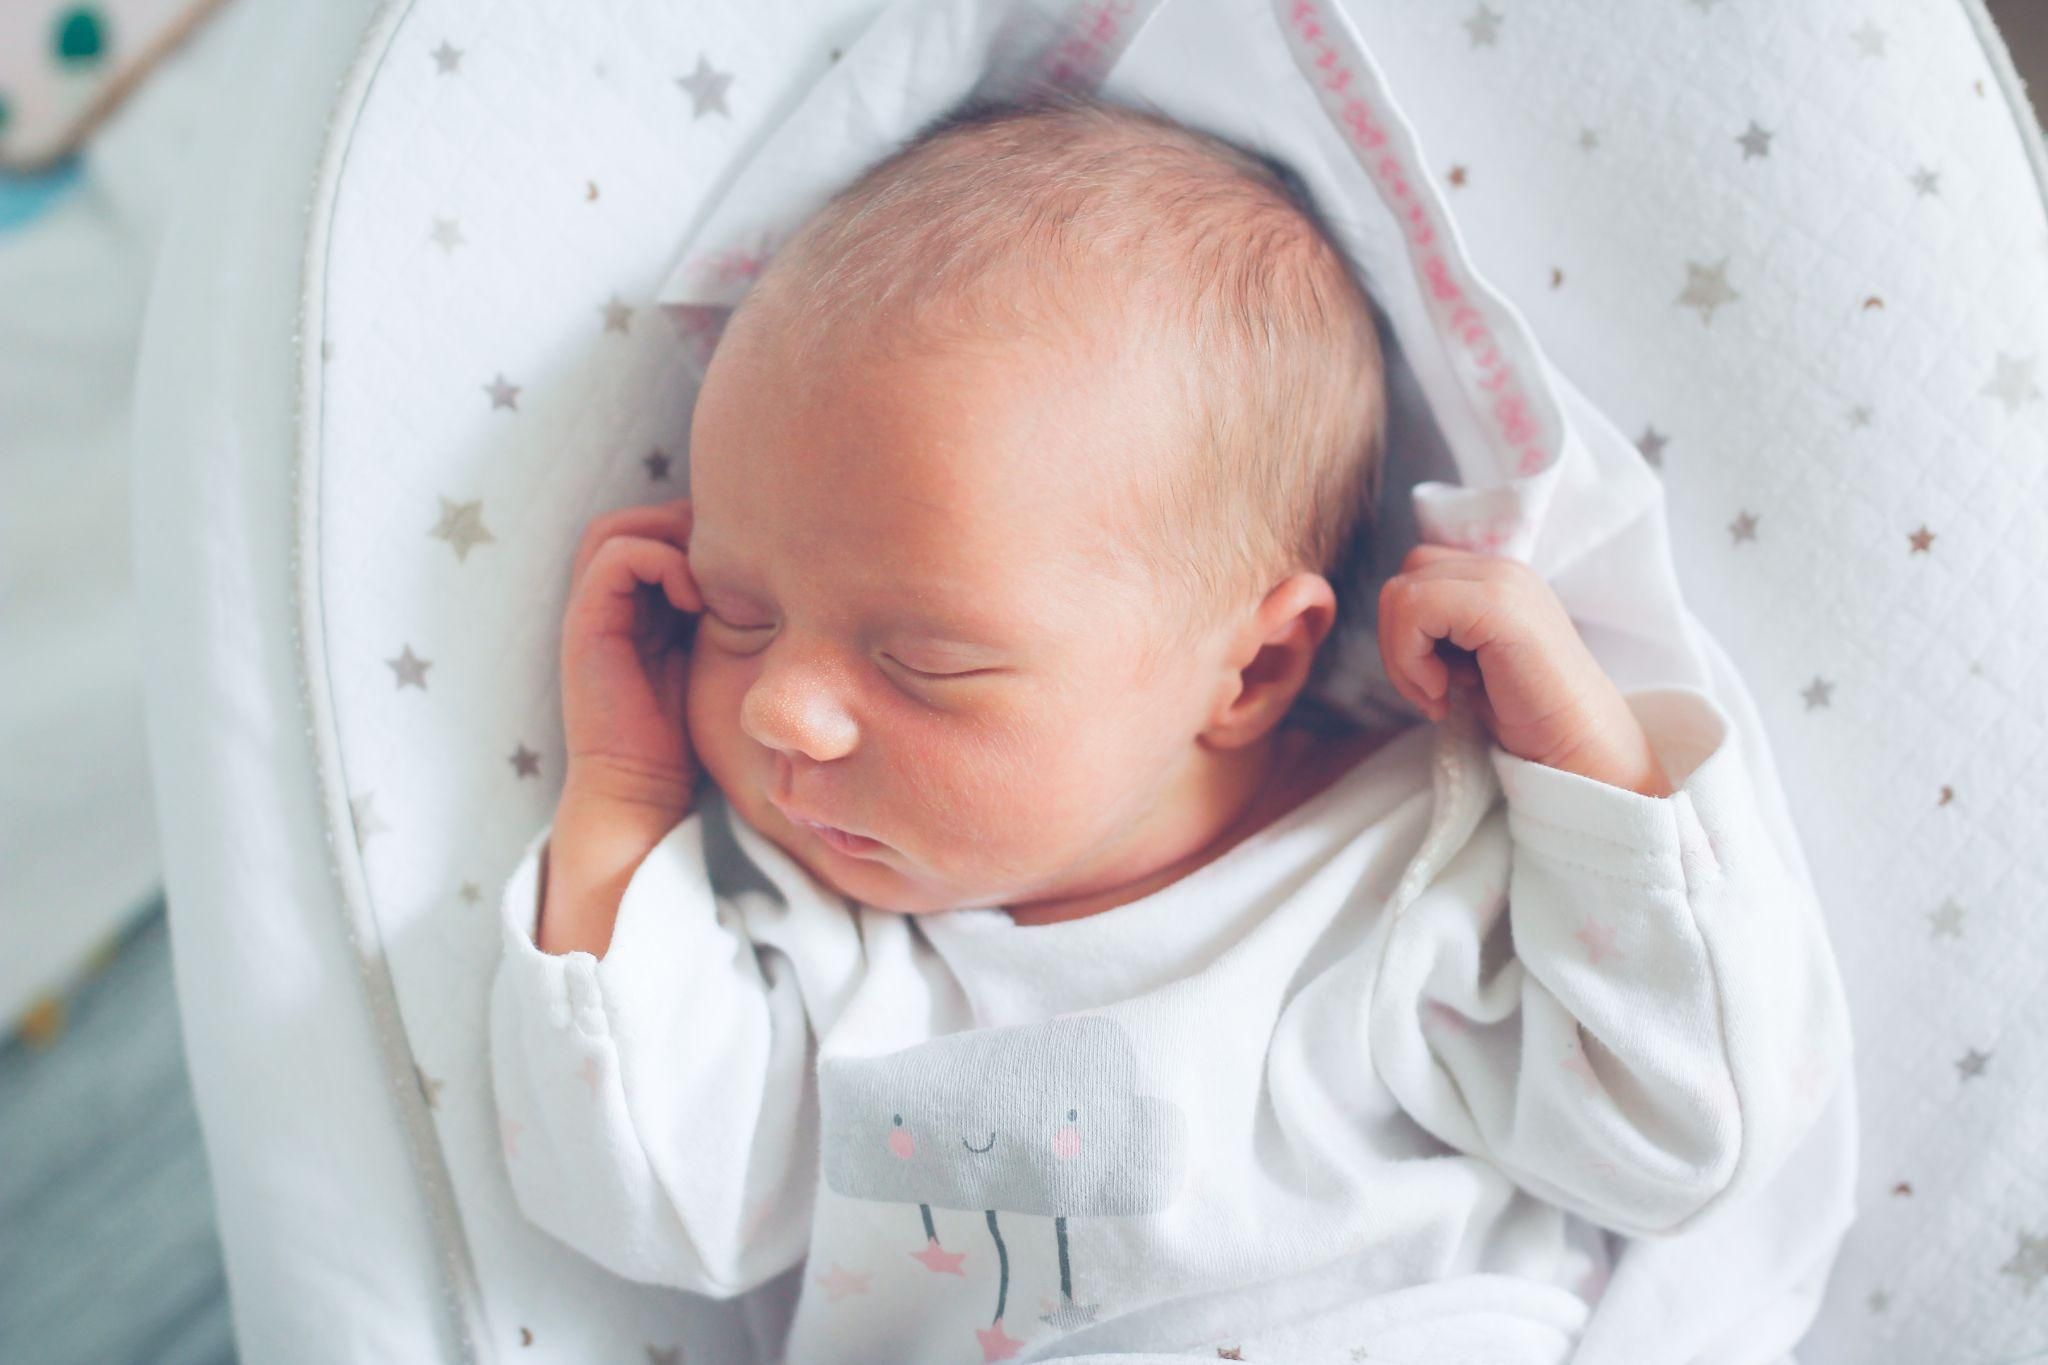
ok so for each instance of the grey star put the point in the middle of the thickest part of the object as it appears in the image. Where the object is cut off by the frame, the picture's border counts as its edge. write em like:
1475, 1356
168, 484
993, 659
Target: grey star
1588, 139
1070, 1315
1484, 26
707, 89
1869, 40
1651, 443
462, 526
2014, 382
1948, 919
525, 762
1972, 1064
1925, 182
429, 1087
503, 394
412, 672
446, 58
617, 316
1361, 1353
1755, 142
447, 234
1818, 693
2030, 1262
1743, 527
657, 465
362, 813
1706, 288
1859, 416
1879, 1300
471, 893
672, 1356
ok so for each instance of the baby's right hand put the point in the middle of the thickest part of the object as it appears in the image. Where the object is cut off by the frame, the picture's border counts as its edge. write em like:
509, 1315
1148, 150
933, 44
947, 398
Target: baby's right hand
625, 660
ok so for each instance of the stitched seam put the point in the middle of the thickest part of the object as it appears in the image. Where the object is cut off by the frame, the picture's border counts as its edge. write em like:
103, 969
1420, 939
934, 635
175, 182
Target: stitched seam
1677, 884
1521, 814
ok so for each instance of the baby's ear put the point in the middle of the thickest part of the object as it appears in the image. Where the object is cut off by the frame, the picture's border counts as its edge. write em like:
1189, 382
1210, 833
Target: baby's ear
1273, 656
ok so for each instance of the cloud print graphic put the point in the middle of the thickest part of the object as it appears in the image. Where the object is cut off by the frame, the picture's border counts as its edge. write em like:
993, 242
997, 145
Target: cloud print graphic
1048, 1119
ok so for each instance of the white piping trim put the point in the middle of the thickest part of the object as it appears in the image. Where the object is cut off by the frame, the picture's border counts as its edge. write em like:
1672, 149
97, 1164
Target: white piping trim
464, 1328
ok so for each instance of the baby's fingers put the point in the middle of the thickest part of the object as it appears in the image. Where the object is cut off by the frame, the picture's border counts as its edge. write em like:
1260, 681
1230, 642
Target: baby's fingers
605, 599
1415, 613
667, 521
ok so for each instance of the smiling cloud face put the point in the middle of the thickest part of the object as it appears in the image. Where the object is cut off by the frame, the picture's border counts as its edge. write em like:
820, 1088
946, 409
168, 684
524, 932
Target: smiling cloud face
1043, 1118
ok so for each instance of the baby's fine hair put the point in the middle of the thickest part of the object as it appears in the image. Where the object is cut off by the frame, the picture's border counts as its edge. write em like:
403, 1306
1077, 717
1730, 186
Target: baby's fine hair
1223, 259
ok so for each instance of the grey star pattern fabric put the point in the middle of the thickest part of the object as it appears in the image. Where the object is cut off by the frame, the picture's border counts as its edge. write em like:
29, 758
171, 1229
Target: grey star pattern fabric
462, 526
2030, 1262
409, 671
1706, 288
2012, 382
706, 87
1651, 443
1484, 27
363, 814
1947, 919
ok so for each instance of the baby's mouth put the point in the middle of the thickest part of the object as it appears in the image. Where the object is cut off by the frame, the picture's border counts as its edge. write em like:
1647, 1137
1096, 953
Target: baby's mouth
979, 1150
842, 841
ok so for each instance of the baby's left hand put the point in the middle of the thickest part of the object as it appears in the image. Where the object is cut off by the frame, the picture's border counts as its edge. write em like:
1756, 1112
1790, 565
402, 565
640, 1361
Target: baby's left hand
1495, 628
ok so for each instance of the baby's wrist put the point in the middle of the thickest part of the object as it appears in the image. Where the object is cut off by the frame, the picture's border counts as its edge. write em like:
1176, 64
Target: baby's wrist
634, 792
598, 840
1621, 757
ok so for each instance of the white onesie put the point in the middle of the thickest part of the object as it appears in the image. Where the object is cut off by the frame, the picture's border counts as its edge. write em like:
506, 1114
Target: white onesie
1366, 1087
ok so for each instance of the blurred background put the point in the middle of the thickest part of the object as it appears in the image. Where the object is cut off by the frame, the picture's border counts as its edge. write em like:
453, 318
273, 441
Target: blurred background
107, 1247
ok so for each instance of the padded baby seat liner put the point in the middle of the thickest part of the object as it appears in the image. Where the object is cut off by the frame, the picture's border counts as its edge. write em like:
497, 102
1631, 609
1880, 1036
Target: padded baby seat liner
528, 231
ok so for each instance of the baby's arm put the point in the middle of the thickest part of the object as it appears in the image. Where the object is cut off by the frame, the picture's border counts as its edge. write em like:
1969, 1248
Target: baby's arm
1629, 1002
649, 1058
655, 1104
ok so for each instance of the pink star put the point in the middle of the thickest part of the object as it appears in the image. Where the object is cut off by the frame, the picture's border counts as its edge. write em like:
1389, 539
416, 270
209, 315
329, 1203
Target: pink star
840, 1283
1598, 938
509, 1129
940, 1261
592, 1072
996, 1344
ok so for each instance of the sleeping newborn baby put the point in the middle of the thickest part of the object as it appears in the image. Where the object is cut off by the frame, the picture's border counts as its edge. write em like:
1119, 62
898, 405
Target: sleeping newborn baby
1023, 979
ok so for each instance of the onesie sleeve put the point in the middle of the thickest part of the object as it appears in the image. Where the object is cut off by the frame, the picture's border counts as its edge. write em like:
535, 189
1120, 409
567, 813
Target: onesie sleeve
1629, 1003
655, 1105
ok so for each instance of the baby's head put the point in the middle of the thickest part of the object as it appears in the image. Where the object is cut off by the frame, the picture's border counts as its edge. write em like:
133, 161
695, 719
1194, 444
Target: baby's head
1022, 478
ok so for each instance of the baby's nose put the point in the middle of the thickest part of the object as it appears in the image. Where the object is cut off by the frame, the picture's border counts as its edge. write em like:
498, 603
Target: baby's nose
797, 708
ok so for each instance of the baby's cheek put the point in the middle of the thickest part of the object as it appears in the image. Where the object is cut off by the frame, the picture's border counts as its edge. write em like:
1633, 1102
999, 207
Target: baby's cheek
901, 1145
1066, 1143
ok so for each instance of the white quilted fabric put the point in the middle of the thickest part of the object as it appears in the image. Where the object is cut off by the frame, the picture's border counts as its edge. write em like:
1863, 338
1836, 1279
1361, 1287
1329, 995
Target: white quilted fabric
1799, 248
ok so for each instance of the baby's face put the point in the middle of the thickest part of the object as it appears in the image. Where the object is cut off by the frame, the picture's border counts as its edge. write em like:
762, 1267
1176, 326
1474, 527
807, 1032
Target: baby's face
906, 635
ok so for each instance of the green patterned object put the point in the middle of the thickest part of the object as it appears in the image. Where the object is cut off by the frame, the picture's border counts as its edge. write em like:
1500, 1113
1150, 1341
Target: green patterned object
81, 36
